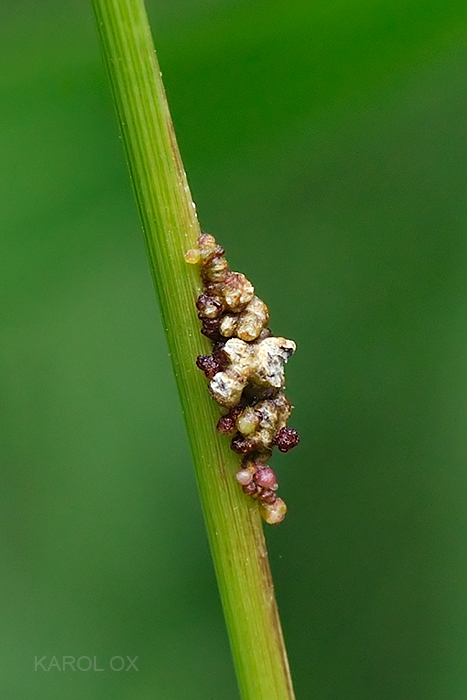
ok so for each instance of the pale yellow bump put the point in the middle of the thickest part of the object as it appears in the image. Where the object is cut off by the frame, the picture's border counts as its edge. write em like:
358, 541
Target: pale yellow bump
193, 256
273, 513
247, 422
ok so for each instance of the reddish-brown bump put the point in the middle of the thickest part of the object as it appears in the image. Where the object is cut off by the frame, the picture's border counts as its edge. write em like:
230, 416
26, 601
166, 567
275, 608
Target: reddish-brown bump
250, 489
227, 425
210, 328
220, 355
267, 496
286, 439
241, 445
208, 365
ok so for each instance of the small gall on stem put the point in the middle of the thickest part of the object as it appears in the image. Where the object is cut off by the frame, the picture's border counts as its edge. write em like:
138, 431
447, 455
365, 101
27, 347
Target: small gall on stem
245, 372
266, 478
244, 477
286, 438
208, 364
273, 513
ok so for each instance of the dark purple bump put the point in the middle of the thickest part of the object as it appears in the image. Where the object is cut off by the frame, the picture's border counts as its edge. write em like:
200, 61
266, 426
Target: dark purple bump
267, 496
211, 333
286, 439
226, 425
241, 446
250, 489
208, 365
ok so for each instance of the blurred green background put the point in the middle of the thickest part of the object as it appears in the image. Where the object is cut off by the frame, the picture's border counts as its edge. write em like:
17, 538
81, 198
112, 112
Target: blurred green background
326, 148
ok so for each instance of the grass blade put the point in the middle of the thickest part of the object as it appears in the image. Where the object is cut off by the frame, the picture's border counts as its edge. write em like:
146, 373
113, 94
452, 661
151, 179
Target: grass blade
170, 228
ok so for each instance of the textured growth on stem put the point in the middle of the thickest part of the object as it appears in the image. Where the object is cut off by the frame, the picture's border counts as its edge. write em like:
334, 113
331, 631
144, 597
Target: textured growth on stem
245, 372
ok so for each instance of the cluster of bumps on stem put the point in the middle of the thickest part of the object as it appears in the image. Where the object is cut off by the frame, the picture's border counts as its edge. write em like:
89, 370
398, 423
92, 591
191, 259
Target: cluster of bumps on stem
246, 373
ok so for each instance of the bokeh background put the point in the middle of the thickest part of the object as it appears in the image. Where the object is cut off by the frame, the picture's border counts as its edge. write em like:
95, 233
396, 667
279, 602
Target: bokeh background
326, 148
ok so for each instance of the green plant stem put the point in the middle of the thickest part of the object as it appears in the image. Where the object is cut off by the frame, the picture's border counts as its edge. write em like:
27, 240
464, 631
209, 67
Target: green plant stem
171, 228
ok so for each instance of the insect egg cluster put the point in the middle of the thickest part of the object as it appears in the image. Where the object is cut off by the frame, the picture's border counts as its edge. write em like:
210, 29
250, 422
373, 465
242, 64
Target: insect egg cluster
246, 373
